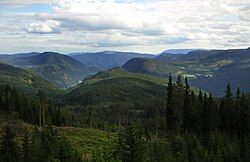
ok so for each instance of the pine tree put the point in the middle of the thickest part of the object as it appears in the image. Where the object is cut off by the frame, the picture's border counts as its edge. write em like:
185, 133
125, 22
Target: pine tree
213, 114
228, 92
200, 97
170, 116
244, 121
236, 113
187, 125
205, 127
226, 111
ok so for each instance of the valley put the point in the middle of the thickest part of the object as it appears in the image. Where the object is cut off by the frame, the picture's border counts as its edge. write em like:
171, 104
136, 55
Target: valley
92, 110
124, 81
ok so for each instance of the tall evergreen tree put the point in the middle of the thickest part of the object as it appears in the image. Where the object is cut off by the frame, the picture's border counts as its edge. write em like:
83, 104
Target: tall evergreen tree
244, 121
170, 116
187, 111
236, 113
200, 97
226, 111
205, 127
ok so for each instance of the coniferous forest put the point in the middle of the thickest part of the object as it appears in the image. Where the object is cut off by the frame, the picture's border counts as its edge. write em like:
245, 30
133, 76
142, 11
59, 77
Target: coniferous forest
182, 125
124, 81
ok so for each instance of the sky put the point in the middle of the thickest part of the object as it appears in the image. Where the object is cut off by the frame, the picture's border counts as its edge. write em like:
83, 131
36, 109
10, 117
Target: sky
148, 26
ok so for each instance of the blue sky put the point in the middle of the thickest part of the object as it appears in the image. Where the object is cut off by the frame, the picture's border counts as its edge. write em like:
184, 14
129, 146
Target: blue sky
149, 26
34, 8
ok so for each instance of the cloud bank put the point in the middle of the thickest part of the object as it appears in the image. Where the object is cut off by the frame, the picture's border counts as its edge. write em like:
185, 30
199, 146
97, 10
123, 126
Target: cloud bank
145, 26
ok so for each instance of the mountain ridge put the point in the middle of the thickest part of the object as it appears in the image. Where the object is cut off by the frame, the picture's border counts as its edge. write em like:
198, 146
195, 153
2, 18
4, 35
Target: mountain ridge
62, 70
24, 80
208, 70
107, 59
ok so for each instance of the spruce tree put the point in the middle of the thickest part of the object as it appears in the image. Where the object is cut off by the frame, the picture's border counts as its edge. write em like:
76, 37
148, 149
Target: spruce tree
236, 113
170, 116
200, 97
226, 111
205, 127
244, 121
187, 124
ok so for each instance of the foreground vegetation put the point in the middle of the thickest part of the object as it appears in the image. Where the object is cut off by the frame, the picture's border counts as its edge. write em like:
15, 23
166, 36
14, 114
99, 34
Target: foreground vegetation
178, 126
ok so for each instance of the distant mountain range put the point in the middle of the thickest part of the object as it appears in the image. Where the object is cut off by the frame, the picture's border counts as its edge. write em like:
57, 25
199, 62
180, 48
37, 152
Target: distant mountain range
208, 70
178, 51
7, 57
68, 70
107, 59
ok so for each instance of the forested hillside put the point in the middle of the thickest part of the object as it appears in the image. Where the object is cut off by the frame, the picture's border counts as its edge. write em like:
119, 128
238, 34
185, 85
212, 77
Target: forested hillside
25, 80
145, 111
124, 81
61, 70
117, 85
208, 70
107, 59
140, 120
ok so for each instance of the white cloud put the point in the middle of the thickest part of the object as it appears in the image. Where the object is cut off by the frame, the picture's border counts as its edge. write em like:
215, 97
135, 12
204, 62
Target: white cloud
244, 13
21, 3
156, 25
48, 27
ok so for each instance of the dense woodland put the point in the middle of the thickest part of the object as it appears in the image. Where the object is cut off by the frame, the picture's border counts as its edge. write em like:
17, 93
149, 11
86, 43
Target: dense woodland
182, 126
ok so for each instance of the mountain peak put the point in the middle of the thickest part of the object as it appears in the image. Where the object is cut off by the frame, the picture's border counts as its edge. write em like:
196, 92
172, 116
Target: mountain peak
50, 53
109, 52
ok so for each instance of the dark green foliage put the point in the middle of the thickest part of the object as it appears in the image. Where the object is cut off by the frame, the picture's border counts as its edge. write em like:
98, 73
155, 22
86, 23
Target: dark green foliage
11, 100
9, 150
199, 128
174, 126
188, 112
151, 67
170, 112
131, 145
25, 106
227, 116
26, 146
120, 89
46, 145
47, 136
25, 80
